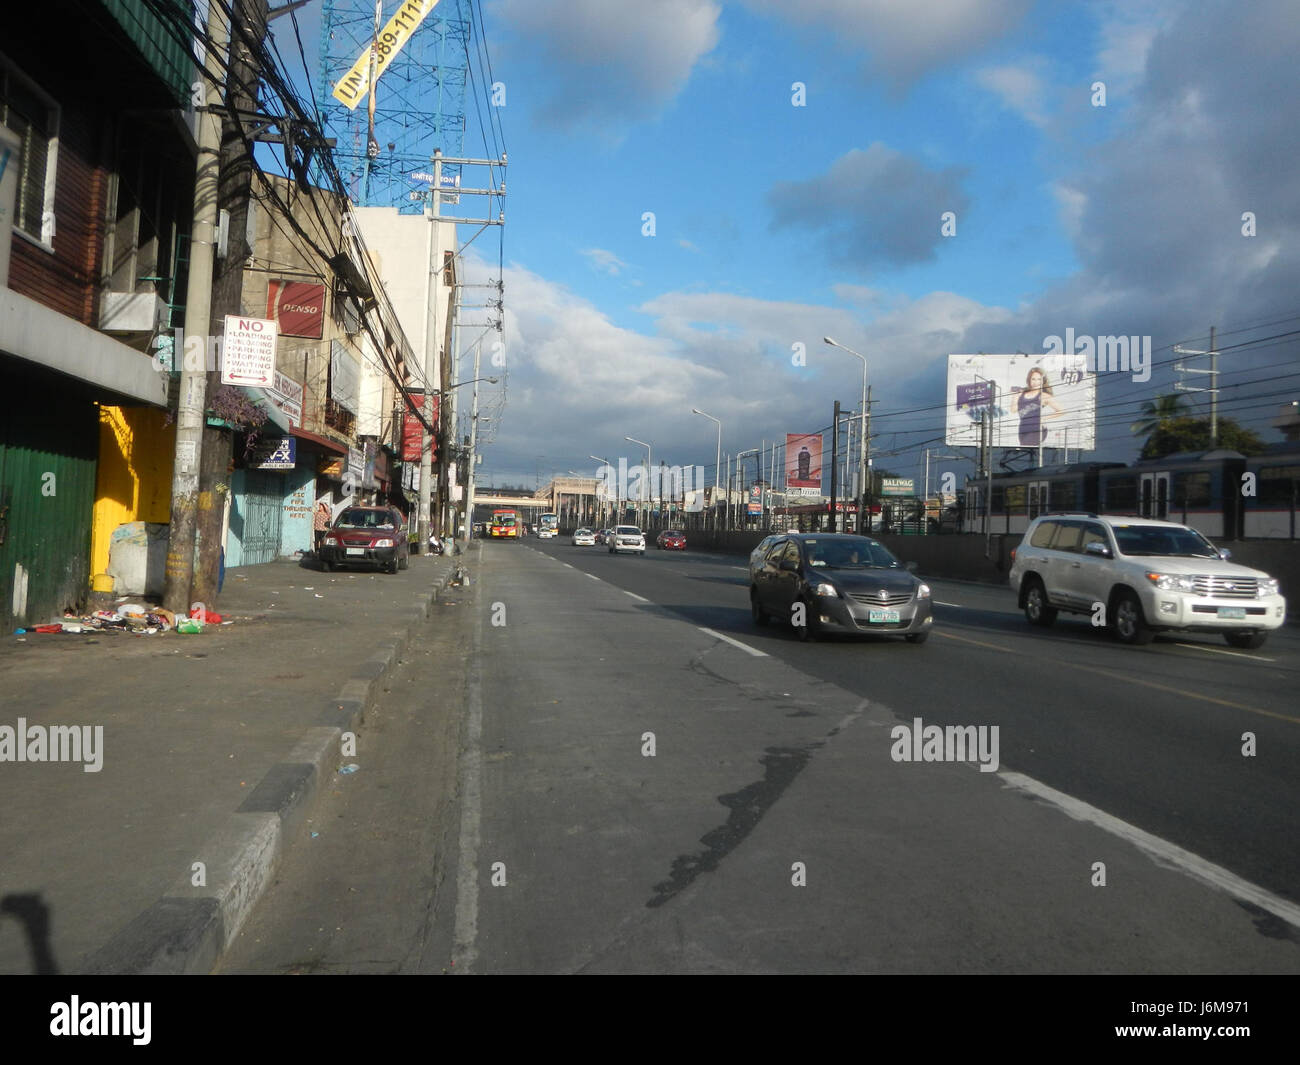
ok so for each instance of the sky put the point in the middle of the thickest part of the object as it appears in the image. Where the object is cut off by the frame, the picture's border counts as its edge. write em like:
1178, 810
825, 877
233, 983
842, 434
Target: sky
1112, 168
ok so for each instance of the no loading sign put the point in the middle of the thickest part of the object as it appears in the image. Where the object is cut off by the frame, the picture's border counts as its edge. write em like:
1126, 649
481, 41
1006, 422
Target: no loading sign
248, 355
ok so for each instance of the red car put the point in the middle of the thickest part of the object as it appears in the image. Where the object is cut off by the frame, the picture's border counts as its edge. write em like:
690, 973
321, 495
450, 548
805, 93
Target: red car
366, 536
671, 540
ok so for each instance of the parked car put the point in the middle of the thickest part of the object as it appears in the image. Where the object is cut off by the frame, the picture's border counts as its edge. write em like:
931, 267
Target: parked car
836, 582
584, 538
671, 540
366, 536
1141, 576
626, 538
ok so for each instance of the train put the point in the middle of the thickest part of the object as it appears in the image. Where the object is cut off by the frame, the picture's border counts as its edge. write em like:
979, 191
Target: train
1222, 493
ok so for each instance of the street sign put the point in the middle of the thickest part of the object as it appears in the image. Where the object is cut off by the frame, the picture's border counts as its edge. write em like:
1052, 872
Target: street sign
353, 86
248, 356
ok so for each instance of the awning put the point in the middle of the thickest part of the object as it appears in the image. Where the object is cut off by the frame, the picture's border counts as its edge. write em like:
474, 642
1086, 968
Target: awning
315, 438
273, 413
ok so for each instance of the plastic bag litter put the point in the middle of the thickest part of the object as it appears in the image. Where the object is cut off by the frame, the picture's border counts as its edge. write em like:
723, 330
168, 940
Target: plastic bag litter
189, 626
351, 767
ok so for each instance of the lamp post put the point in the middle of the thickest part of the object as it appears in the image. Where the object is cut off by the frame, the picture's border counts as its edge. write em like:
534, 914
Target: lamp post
717, 463
741, 477
864, 447
649, 461
604, 503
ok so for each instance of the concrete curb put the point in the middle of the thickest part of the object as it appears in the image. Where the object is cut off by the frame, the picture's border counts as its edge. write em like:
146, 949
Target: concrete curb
189, 928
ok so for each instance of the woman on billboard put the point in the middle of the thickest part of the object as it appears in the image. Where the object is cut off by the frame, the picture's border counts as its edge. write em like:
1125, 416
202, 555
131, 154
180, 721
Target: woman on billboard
1036, 395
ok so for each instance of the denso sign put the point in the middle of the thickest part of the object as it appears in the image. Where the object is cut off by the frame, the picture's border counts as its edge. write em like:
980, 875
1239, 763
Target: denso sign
297, 307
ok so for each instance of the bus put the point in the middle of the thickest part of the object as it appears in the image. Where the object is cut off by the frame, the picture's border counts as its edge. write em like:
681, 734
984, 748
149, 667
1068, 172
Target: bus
505, 525
548, 526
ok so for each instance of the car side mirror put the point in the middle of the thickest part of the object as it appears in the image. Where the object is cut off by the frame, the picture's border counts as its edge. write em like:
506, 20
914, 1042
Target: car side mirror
789, 566
1225, 554
1095, 548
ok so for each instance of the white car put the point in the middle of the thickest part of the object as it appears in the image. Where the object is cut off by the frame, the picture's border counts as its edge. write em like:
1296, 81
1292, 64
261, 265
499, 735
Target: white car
626, 538
547, 533
1140, 576
584, 538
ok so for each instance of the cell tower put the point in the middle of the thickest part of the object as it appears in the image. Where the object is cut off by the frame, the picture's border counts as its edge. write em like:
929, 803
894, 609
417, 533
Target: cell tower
419, 104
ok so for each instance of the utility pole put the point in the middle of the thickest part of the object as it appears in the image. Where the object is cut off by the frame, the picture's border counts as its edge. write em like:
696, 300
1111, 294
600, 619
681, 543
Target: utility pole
835, 462
431, 337
869, 489
1213, 372
179, 573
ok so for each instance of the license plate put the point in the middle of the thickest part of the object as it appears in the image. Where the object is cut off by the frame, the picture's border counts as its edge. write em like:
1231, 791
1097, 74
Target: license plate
356, 550
877, 617
1234, 612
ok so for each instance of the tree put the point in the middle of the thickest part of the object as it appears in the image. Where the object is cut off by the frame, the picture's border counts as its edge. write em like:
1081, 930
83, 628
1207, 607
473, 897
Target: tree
1155, 414
1193, 434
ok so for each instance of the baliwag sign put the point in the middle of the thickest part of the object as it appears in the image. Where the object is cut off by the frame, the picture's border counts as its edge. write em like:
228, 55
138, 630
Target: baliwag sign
248, 355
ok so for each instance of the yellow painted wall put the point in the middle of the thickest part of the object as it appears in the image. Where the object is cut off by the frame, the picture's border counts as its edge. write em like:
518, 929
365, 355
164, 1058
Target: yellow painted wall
134, 479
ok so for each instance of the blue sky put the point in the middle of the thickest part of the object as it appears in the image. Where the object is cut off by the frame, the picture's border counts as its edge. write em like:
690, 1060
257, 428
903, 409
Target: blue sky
777, 224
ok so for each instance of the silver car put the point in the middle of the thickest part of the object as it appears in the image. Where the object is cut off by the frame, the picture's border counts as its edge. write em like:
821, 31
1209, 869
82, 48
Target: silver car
626, 538
833, 582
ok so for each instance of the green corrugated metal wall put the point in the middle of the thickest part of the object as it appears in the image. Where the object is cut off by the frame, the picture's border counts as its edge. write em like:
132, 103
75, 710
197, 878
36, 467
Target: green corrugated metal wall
48, 449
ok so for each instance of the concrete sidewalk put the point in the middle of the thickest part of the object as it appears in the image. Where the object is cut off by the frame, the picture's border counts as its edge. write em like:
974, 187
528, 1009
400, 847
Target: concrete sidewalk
213, 748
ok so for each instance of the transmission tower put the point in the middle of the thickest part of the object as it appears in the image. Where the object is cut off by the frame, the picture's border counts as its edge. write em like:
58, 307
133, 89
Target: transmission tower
419, 104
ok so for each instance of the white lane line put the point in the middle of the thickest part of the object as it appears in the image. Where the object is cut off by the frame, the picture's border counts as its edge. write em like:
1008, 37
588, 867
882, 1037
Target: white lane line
743, 569
940, 602
593, 576
566, 565
639, 598
1164, 852
1217, 651
735, 643
465, 942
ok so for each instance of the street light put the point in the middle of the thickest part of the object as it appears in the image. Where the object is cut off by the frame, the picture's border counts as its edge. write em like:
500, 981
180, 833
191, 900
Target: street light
604, 502
740, 476
717, 468
864, 447
649, 461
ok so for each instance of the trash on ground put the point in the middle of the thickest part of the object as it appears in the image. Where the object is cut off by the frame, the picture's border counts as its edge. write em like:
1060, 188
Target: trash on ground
351, 767
189, 626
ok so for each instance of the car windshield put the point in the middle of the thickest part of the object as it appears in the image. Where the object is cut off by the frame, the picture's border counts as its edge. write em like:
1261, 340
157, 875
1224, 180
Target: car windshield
356, 518
628, 530
848, 554
583, 532
1162, 540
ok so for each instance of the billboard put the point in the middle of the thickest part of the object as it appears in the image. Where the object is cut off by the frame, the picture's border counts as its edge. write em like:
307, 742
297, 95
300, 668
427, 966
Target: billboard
413, 428
298, 308
803, 464
1033, 400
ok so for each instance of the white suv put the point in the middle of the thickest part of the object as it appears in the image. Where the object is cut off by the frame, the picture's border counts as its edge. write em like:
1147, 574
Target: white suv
626, 538
1139, 576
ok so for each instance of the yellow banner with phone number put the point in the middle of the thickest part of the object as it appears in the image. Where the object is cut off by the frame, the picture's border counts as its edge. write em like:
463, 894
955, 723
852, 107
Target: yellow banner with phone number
351, 89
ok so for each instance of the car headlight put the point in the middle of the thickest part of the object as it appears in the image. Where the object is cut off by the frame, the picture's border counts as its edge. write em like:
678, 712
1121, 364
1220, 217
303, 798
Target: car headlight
923, 592
1267, 586
332, 541
825, 589
383, 543
1171, 582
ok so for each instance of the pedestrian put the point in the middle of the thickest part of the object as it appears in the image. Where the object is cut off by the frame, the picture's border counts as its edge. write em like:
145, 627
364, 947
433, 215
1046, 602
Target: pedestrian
321, 522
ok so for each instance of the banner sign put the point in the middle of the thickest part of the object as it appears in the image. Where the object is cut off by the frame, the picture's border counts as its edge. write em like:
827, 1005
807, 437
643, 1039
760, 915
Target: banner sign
803, 462
286, 394
273, 453
353, 86
413, 431
248, 355
345, 378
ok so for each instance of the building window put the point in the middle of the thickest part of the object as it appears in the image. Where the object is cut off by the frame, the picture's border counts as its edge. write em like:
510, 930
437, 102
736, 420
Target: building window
34, 117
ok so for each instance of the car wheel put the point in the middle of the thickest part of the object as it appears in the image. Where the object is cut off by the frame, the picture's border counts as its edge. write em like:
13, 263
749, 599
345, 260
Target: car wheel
327, 567
755, 611
404, 562
1248, 641
1037, 610
1130, 626
917, 637
392, 566
808, 630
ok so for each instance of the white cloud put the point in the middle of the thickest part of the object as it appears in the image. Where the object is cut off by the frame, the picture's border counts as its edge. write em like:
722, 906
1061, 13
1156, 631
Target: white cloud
906, 39
1020, 88
606, 63
605, 261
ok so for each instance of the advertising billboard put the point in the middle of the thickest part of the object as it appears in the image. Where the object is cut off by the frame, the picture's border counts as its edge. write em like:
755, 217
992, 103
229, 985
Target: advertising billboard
803, 464
1032, 400
413, 428
298, 308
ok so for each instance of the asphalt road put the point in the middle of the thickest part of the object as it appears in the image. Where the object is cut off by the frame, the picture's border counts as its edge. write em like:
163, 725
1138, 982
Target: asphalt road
632, 793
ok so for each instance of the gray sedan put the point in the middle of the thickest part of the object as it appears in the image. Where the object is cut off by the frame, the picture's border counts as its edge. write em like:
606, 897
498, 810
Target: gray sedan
830, 582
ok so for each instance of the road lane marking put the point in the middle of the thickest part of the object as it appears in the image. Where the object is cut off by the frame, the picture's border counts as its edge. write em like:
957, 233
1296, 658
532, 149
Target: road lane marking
1217, 651
940, 602
1164, 852
1129, 678
566, 565
639, 598
735, 643
593, 576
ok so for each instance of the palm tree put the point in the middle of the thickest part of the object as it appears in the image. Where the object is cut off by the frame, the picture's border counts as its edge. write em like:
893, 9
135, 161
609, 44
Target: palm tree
1158, 412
